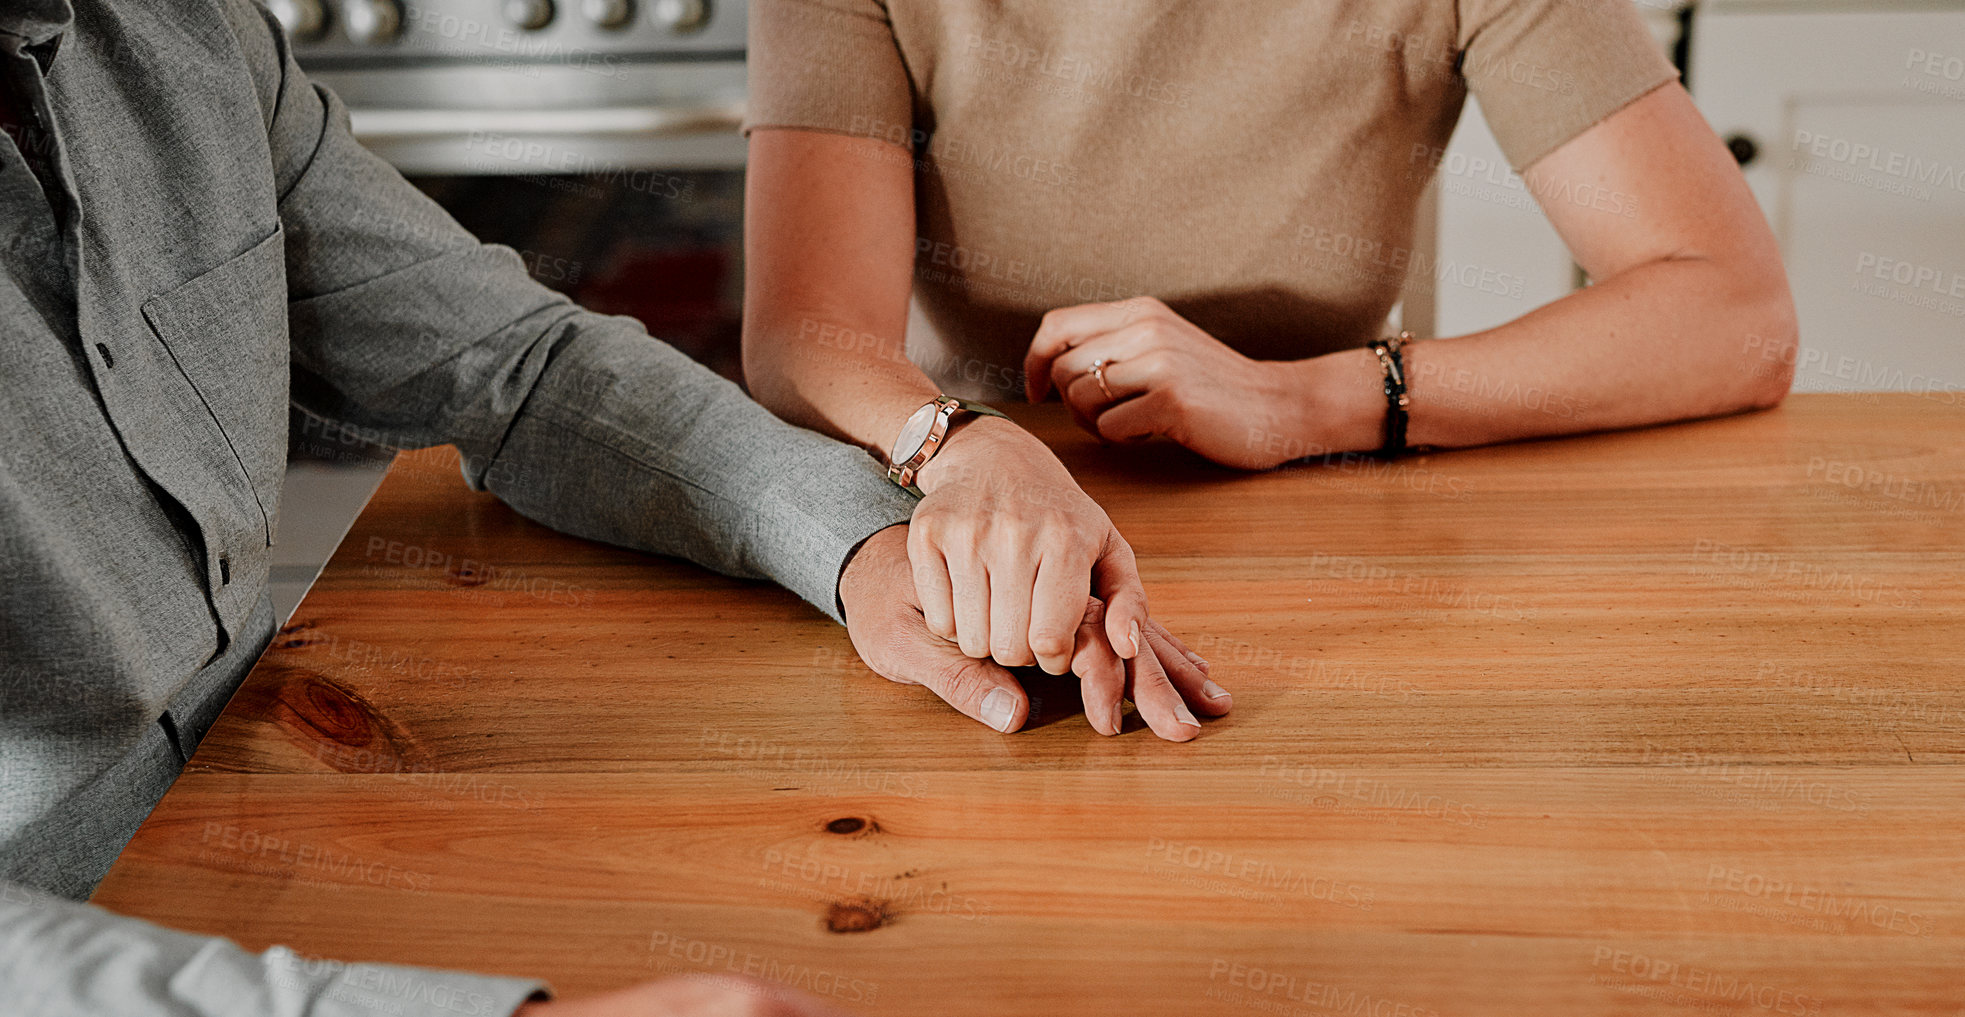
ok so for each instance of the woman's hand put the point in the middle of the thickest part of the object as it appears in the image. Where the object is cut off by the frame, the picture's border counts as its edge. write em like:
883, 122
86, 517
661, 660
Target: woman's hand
1006, 547
1164, 377
1168, 684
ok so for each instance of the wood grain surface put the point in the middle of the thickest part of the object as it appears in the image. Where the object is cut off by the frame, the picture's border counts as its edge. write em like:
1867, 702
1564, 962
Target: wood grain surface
1667, 722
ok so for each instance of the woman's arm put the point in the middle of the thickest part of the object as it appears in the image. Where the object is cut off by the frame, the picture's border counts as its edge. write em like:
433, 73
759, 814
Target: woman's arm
828, 254
1690, 316
1005, 547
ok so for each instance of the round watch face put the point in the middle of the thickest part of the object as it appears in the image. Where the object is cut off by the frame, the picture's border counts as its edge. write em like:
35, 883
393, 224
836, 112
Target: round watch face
913, 434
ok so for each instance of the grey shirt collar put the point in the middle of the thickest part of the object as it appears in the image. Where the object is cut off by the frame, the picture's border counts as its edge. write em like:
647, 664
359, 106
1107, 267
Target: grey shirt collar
38, 25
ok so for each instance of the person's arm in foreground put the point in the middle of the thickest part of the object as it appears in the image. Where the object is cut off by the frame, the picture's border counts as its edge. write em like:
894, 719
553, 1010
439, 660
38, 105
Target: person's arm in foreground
63, 959
1005, 547
1690, 316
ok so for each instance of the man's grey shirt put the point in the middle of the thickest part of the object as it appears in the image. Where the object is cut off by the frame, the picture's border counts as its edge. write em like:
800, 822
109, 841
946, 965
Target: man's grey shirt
213, 242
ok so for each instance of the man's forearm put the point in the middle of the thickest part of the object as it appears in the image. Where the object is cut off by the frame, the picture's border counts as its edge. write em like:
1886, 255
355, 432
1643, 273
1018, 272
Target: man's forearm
625, 440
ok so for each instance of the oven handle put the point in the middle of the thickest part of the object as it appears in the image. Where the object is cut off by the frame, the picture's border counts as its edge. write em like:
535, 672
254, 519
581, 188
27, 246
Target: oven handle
608, 121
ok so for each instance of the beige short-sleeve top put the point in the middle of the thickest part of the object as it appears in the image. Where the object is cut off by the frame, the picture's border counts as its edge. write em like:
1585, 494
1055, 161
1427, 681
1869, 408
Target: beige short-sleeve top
1257, 164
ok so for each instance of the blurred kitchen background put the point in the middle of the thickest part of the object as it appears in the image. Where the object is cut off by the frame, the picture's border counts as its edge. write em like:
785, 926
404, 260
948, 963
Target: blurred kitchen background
599, 139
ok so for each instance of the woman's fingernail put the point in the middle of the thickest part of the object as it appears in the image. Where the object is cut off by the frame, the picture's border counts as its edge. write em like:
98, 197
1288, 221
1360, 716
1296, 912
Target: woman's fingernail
1213, 691
1135, 635
1118, 718
998, 707
1186, 716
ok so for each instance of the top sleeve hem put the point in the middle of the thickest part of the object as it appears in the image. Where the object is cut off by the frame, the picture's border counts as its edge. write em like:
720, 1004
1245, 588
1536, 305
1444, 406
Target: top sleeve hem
1582, 128
785, 125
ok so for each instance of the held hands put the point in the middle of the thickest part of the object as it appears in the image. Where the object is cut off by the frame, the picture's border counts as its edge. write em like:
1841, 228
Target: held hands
1164, 377
889, 629
1003, 545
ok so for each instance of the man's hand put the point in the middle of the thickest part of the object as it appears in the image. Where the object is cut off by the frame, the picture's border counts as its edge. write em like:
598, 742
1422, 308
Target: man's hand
1167, 683
1164, 377
689, 996
1006, 546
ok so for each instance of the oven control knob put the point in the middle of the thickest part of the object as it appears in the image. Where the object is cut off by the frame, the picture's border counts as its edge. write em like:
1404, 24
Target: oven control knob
679, 16
372, 21
609, 13
530, 15
304, 20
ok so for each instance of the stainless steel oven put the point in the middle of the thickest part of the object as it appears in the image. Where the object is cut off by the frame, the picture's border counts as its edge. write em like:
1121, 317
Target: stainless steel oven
596, 137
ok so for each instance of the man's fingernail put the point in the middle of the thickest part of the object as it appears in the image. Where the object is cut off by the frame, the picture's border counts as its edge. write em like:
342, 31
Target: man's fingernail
1196, 658
1213, 691
998, 707
1135, 636
1118, 718
1185, 716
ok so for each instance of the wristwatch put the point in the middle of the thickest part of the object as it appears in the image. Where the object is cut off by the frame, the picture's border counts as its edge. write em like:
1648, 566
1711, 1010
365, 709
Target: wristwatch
921, 437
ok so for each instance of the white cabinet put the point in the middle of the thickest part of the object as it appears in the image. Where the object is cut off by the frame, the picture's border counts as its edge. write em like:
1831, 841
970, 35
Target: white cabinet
1857, 112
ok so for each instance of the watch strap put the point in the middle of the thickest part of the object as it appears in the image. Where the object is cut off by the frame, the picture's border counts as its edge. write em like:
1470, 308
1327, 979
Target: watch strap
982, 408
903, 474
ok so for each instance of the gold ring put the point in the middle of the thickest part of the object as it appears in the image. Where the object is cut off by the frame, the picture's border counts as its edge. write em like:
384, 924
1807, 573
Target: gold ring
1098, 375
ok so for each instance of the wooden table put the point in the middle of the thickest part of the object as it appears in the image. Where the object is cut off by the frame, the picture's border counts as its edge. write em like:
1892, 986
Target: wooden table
1664, 722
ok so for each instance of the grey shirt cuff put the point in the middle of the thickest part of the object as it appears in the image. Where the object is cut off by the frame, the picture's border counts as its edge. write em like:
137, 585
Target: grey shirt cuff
625, 440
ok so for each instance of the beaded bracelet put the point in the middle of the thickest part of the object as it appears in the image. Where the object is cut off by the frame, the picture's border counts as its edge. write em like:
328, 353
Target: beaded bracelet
1392, 361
